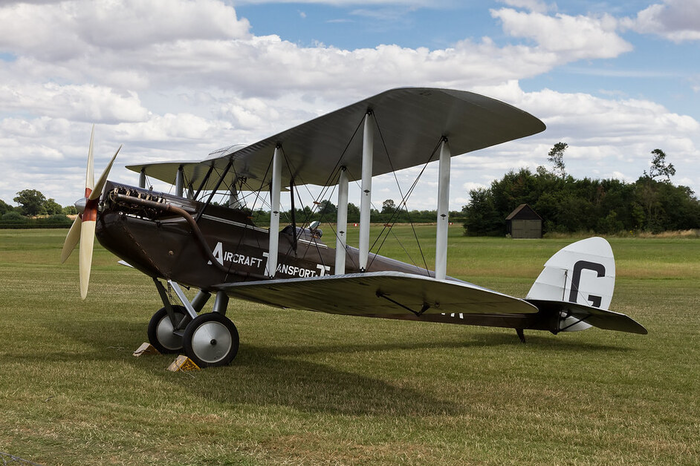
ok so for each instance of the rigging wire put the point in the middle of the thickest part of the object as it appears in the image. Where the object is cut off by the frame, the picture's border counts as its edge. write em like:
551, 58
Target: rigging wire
404, 199
326, 185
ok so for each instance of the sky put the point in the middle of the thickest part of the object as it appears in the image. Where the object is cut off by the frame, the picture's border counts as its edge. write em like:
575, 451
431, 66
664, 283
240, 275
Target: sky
177, 79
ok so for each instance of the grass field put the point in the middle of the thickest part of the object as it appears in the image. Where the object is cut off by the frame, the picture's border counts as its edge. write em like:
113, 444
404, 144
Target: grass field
311, 388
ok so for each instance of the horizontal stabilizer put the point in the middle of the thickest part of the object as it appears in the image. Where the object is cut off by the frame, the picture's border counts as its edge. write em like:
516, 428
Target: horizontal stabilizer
378, 294
601, 318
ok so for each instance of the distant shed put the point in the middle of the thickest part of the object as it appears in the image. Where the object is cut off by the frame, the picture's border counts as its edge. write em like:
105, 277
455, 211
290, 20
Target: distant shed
524, 222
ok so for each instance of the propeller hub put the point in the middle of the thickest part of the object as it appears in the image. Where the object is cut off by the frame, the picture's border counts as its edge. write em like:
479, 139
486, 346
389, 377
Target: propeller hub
80, 205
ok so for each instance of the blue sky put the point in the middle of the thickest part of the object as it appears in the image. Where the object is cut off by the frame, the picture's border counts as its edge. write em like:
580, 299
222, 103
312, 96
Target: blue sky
175, 79
655, 69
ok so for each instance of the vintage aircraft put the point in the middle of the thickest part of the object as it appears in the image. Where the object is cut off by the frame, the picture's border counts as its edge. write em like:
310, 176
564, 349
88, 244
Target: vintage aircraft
185, 239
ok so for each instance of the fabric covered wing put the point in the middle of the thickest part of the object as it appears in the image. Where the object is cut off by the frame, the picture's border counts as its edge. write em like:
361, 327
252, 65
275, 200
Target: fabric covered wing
410, 123
378, 294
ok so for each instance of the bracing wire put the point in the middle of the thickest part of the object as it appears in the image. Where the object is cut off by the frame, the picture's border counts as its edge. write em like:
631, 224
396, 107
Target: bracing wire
404, 198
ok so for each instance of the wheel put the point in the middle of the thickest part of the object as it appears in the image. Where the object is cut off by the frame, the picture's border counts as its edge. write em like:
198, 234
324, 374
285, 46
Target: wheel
161, 330
211, 340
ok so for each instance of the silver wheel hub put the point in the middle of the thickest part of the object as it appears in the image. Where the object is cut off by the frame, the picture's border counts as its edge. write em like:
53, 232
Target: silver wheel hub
211, 342
165, 334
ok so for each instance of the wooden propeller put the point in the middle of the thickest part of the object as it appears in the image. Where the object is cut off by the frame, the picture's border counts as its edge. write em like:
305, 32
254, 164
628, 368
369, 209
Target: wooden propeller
83, 228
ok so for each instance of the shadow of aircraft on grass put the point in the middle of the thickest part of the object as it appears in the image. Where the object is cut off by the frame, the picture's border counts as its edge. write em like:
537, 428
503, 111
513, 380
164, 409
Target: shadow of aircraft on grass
284, 376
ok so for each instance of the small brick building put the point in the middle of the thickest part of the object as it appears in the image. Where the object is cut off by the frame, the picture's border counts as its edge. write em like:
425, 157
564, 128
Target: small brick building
524, 222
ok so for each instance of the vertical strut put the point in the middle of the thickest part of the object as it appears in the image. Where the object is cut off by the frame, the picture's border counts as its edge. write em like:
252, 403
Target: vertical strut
443, 212
342, 227
179, 182
233, 202
366, 201
220, 303
142, 178
275, 188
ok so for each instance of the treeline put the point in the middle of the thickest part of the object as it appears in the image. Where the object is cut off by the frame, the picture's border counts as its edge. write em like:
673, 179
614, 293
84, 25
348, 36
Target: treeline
34, 210
569, 205
326, 211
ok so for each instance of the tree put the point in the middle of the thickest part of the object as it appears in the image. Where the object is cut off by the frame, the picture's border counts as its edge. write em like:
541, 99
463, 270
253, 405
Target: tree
659, 168
388, 206
326, 207
483, 219
556, 156
31, 202
52, 207
353, 210
5, 208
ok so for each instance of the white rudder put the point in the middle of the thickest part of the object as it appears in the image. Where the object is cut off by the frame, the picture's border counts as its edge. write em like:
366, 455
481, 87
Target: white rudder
581, 273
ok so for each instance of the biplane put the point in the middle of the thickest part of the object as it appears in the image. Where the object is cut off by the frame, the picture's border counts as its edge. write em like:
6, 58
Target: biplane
183, 239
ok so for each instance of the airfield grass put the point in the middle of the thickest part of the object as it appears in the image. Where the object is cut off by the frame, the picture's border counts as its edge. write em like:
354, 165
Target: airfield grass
311, 388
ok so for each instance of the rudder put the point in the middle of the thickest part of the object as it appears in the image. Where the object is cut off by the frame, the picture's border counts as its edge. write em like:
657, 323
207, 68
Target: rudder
581, 273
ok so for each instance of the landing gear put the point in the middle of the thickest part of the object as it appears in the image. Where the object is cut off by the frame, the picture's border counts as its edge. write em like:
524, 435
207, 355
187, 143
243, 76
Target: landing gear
521, 335
211, 340
162, 331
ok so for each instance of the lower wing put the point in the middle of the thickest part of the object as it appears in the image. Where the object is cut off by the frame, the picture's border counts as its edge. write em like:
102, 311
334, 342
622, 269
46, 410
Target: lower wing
380, 294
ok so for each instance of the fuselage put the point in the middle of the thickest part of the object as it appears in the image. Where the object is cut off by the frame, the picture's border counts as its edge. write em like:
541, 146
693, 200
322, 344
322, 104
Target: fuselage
200, 245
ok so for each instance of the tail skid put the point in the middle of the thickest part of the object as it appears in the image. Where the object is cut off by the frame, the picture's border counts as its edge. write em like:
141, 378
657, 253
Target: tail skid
577, 283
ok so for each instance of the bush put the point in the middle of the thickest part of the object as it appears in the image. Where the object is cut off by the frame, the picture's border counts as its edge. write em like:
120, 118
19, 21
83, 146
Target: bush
14, 218
57, 220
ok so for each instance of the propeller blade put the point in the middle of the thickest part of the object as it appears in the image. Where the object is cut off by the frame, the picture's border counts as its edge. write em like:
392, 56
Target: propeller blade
87, 241
90, 171
103, 179
71, 239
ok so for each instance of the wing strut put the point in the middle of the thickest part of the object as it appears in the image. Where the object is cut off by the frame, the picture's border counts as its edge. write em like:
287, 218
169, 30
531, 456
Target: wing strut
443, 211
216, 188
204, 181
424, 308
294, 216
342, 224
366, 201
179, 182
275, 189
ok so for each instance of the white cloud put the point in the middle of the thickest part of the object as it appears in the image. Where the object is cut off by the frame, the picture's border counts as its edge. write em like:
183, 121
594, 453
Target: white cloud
69, 29
200, 80
79, 103
570, 37
675, 20
342, 3
115, 49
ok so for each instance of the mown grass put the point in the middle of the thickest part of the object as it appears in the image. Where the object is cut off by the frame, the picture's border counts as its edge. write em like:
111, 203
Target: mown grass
311, 388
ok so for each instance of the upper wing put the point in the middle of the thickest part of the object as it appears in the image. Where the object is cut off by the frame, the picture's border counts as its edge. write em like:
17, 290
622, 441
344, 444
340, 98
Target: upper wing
378, 294
410, 122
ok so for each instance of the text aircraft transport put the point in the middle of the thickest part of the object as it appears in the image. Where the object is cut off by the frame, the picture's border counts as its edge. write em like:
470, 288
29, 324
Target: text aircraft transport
186, 239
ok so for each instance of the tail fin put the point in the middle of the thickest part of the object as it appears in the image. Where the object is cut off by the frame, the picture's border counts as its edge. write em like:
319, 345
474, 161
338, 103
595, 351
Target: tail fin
582, 272
577, 283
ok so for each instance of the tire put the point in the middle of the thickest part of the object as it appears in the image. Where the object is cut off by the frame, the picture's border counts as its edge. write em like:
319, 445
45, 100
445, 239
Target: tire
160, 330
211, 340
